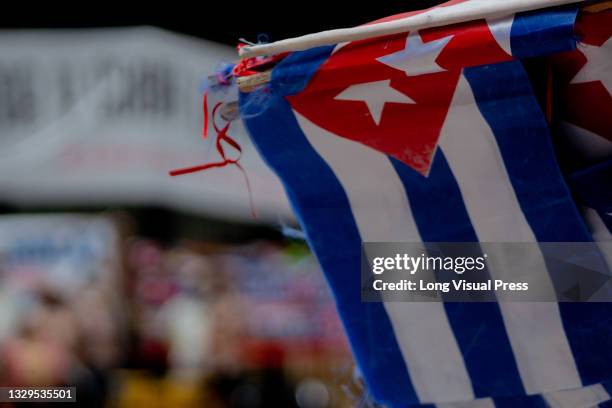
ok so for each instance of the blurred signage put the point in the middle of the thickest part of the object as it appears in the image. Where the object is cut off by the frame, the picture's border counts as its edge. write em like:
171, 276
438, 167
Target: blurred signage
95, 117
59, 254
63, 253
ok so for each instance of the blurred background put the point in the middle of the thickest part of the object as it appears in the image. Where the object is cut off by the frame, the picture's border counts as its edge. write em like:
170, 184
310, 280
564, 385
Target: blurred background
131, 320
135, 287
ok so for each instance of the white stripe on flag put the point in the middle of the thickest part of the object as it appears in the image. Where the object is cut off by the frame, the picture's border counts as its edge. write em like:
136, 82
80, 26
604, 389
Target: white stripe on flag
580, 398
577, 398
535, 330
376, 194
382, 213
479, 403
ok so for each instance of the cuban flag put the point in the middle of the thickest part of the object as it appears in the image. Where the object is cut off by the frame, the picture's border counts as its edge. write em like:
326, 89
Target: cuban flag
436, 136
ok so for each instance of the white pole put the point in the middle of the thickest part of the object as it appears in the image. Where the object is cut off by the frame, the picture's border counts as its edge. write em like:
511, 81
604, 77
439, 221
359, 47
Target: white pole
440, 16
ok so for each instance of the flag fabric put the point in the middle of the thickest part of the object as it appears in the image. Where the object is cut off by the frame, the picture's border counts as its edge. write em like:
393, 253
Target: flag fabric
436, 136
596, 395
584, 86
584, 90
410, 78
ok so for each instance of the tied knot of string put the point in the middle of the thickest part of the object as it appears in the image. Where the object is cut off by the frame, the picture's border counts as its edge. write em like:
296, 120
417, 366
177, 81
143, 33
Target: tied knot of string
222, 137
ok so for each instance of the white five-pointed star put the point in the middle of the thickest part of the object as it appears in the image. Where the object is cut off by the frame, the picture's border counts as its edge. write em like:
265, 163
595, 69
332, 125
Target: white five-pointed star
417, 58
375, 95
597, 66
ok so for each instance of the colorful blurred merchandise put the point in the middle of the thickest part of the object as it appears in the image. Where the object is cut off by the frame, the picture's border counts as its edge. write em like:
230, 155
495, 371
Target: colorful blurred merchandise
60, 322
239, 319
130, 321
248, 306
286, 301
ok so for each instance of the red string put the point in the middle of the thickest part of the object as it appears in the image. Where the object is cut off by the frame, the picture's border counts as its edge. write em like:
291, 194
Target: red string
222, 136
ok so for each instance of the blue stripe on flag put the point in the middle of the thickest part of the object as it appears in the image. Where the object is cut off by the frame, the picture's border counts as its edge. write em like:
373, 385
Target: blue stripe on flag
441, 216
534, 401
506, 101
325, 215
293, 73
537, 33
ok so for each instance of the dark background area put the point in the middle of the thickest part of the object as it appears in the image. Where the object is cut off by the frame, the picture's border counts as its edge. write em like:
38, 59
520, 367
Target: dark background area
220, 21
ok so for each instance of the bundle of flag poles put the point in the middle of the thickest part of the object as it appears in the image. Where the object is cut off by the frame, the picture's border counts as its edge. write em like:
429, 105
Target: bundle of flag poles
437, 17
426, 127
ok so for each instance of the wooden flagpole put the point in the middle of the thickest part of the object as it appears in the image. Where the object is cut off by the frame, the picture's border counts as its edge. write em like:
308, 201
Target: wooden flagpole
441, 16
